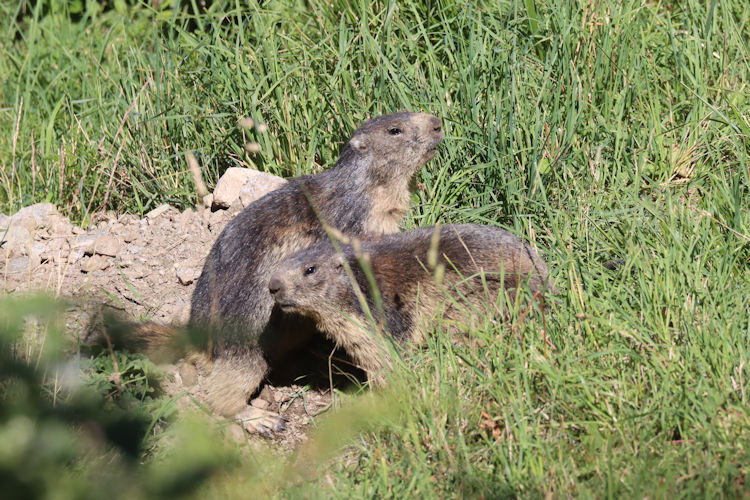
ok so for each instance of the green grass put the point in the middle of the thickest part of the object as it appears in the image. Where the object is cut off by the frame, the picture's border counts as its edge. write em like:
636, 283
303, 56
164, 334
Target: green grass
598, 130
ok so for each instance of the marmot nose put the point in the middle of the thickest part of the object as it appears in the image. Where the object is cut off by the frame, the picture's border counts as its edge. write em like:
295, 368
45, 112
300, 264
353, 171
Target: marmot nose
274, 285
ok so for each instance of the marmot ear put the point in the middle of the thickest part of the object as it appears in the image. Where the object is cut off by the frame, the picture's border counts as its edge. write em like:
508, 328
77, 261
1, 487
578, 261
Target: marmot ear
339, 261
358, 144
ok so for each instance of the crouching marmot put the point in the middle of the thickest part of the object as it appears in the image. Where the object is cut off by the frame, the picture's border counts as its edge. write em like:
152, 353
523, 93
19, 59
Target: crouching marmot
400, 280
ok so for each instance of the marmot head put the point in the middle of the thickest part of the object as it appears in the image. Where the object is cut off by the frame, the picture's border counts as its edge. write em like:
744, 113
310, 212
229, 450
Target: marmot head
396, 145
312, 282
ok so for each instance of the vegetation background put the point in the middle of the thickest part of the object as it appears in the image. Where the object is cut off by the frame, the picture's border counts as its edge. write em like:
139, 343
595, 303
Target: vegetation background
596, 129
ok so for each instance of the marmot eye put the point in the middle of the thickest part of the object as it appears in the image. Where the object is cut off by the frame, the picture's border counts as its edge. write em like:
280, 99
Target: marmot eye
395, 131
309, 270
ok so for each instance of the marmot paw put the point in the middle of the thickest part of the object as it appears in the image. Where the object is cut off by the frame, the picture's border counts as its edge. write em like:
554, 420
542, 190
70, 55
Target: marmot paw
261, 421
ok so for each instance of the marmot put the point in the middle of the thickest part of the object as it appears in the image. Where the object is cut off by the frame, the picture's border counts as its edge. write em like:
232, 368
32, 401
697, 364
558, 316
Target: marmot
367, 191
455, 270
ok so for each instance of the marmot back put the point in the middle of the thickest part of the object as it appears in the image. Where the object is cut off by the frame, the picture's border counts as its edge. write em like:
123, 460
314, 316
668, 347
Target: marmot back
416, 274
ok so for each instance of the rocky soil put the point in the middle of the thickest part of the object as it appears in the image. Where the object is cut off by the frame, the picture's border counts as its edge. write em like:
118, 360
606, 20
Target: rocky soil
146, 267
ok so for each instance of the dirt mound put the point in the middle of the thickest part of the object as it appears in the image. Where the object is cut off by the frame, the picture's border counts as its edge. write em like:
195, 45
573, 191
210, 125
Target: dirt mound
146, 267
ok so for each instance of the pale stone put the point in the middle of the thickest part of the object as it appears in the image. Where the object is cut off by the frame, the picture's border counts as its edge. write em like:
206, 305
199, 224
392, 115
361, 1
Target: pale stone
128, 219
235, 208
136, 271
208, 200
267, 394
107, 245
83, 243
160, 210
228, 188
94, 263
54, 250
260, 403
34, 216
59, 226
186, 275
130, 234
19, 265
135, 248
15, 235
37, 248
183, 219
258, 186
217, 220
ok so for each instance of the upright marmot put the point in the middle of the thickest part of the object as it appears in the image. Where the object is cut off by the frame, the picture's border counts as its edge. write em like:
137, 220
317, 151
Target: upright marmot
367, 191
400, 280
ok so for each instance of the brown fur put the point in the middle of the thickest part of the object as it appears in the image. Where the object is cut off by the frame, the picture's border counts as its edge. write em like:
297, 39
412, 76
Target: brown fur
367, 191
109, 326
452, 271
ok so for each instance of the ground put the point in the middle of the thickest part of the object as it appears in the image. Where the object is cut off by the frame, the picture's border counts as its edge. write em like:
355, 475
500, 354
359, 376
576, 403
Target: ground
146, 268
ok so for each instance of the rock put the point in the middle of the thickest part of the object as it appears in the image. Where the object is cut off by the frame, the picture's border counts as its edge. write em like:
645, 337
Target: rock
228, 188
107, 245
135, 249
217, 220
19, 265
15, 235
186, 275
267, 394
206, 217
102, 219
136, 271
127, 219
183, 220
95, 243
34, 216
235, 208
166, 225
130, 234
83, 243
208, 200
58, 226
260, 403
37, 248
160, 210
258, 186
94, 263
169, 371
54, 249
4, 220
